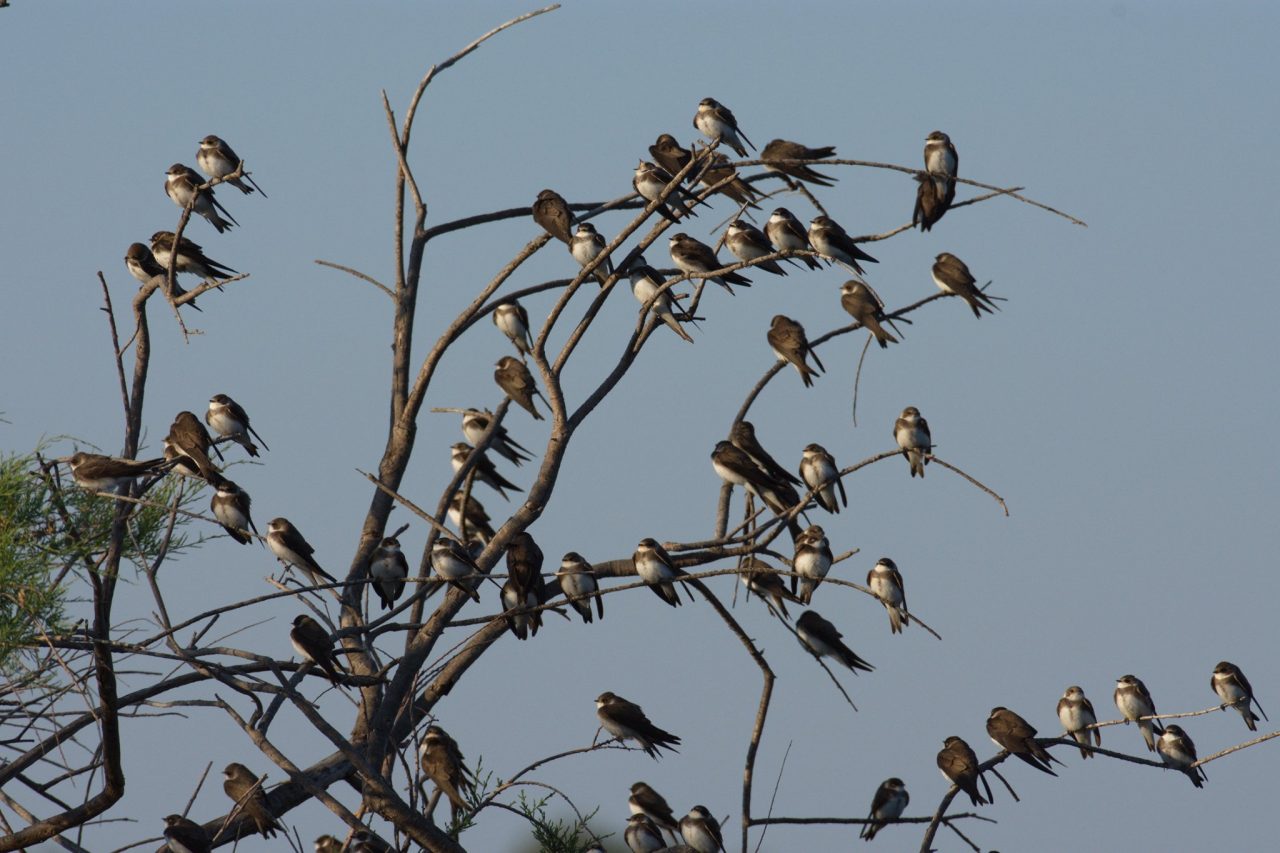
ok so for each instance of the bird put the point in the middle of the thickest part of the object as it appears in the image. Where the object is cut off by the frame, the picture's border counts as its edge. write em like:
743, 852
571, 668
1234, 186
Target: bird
743, 436
734, 466
943, 164
719, 174
364, 841
229, 420
642, 835
312, 641
667, 153
579, 585
217, 160
476, 519
645, 283
182, 185
778, 151
1134, 701
648, 802
888, 804
829, 239
789, 344
929, 207
524, 562
822, 639
952, 276
626, 721
444, 765
765, 582
292, 550
230, 505
1234, 690
692, 257
650, 180
1075, 712
714, 121
143, 266
748, 242
474, 424
513, 321
98, 473
191, 258
653, 565
1179, 752
484, 469
701, 831
454, 564
811, 562
912, 434
587, 244
388, 568
188, 444
864, 305
552, 214
514, 378
1012, 733
244, 789
328, 844
960, 766
820, 473
885, 582
183, 835
516, 597
787, 234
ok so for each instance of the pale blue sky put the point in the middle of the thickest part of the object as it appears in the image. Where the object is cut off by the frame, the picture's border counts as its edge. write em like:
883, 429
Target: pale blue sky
1122, 401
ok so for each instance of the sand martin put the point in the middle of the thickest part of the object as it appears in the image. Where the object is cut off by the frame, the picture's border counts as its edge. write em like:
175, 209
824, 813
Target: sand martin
579, 585
98, 473
182, 185
143, 266
1012, 733
625, 721
701, 831
787, 234
453, 563
648, 802
586, 245
474, 424
229, 420
692, 256
312, 641
653, 565
953, 277
929, 207
734, 466
764, 581
864, 305
524, 562
516, 596
513, 321
243, 788
484, 469
1234, 690
191, 258
941, 161
960, 767
819, 471
780, 150
912, 434
1075, 712
821, 638
477, 520
189, 443
514, 378
714, 121
444, 765
388, 568
889, 803
739, 191
292, 550
645, 282
650, 180
829, 239
743, 436
216, 159
185, 836
885, 582
642, 835
1133, 700
230, 505
668, 154
552, 213
748, 242
1177, 751
789, 343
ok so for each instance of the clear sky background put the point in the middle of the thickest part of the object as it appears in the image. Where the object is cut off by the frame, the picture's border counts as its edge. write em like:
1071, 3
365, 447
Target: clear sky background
1122, 401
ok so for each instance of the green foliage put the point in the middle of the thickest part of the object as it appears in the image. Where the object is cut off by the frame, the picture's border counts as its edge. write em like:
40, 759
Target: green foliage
558, 835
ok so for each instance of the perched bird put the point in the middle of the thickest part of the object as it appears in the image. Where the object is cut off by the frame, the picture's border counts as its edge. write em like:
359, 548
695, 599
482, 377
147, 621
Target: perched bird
787, 234
312, 641
648, 802
1234, 690
1075, 712
691, 257
388, 568
484, 469
327, 844
668, 154
778, 151
717, 173
701, 831
524, 562
762, 580
514, 378
929, 207
454, 564
587, 244
292, 550
829, 239
645, 283
513, 321
743, 436
885, 582
789, 343
734, 466
474, 424
185, 836
650, 180
182, 185
1133, 701
191, 258
626, 721
912, 434
229, 420
98, 473
143, 266
243, 788
444, 765
188, 444
864, 305
820, 473
1012, 733
216, 159
579, 585
811, 562
230, 505
516, 597
364, 841
552, 213
714, 121
960, 766
822, 639
953, 277
1177, 751
943, 164
642, 835
475, 521
653, 565
748, 242
888, 804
